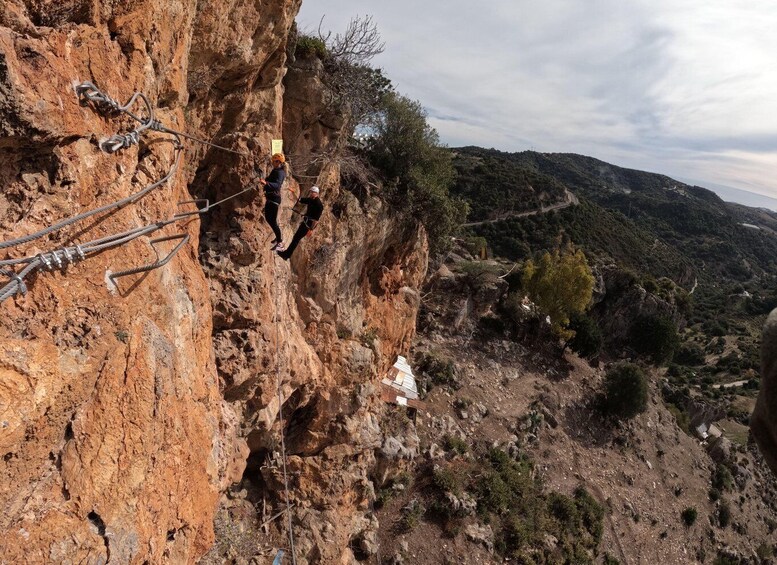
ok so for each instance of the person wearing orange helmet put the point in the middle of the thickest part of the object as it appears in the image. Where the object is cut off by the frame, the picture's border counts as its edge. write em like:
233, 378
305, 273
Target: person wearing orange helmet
272, 191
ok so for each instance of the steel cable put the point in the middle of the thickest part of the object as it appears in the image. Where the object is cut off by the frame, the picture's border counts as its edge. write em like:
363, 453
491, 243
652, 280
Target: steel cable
131, 199
60, 258
91, 92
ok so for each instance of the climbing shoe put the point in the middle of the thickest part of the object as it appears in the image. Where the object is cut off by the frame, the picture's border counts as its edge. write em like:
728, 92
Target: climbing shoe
277, 246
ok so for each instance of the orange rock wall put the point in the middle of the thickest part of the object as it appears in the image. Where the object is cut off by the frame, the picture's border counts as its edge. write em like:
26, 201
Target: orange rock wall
126, 412
115, 438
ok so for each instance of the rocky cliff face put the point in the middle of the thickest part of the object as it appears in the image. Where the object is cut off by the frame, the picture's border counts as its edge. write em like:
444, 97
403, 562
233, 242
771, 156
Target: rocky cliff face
126, 410
762, 422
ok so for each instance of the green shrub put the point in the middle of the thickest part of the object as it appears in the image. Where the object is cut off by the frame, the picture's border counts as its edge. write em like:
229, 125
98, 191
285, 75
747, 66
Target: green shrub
521, 514
307, 45
591, 512
446, 479
563, 509
411, 516
722, 478
494, 493
681, 417
453, 443
690, 354
724, 514
655, 337
610, 560
626, 391
689, 516
440, 370
587, 341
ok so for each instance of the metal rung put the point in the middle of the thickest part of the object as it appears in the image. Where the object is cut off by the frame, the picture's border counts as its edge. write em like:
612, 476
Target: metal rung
184, 237
196, 212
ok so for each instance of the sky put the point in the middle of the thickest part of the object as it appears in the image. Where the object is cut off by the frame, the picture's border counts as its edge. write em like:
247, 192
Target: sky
687, 88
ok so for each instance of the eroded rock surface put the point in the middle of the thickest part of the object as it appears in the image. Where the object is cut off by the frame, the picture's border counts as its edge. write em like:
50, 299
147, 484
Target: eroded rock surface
127, 412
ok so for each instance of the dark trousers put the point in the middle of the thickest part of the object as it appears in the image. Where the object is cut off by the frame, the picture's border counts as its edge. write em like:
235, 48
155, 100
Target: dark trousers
271, 207
302, 231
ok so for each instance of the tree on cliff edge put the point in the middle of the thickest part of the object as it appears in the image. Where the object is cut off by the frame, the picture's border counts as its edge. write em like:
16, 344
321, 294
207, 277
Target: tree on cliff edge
406, 149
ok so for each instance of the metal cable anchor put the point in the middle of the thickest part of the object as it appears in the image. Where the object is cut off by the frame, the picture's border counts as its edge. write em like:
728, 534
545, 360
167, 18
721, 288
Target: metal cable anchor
184, 237
15, 277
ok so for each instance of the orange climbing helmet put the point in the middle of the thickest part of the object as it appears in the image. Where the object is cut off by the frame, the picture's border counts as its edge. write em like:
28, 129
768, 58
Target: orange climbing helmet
278, 157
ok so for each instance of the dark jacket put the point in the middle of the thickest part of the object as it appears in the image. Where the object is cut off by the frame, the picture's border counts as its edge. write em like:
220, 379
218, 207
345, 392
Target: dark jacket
275, 182
315, 208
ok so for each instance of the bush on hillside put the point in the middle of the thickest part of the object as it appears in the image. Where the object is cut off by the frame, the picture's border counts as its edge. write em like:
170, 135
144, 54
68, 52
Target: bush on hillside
689, 516
625, 391
690, 354
587, 341
655, 337
722, 479
724, 514
435, 370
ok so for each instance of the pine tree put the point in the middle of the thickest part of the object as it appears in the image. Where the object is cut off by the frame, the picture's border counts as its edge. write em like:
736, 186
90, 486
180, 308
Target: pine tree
560, 283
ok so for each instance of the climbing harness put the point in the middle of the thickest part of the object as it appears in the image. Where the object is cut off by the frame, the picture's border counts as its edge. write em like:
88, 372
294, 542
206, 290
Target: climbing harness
310, 223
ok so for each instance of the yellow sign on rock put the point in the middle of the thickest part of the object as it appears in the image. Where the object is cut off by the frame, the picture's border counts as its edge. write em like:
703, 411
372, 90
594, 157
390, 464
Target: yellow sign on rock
277, 146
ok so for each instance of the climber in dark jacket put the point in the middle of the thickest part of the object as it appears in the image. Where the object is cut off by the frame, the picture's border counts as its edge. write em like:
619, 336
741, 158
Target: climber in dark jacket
272, 192
309, 220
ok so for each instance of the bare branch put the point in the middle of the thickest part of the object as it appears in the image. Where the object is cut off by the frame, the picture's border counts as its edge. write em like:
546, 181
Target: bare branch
357, 45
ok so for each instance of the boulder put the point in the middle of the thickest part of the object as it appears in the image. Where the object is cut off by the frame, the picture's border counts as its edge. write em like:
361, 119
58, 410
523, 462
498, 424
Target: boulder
480, 534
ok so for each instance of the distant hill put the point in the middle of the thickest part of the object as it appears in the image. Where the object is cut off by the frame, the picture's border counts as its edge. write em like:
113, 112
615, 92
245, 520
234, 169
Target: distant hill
648, 222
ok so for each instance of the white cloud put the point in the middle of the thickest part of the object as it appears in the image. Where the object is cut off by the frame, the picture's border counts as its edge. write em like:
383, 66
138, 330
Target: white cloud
683, 87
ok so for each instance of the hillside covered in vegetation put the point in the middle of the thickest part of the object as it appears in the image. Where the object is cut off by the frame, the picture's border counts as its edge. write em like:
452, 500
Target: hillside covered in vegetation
705, 267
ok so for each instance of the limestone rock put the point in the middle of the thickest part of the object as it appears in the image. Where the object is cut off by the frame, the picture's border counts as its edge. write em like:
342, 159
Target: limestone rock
116, 407
480, 534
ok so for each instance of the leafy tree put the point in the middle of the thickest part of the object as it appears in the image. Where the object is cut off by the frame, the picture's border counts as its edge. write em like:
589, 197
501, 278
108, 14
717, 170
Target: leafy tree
656, 337
561, 284
587, 340
406, 149
626, 391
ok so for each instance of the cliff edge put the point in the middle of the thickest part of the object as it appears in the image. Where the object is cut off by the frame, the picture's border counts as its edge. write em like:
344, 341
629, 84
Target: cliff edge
130, 406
